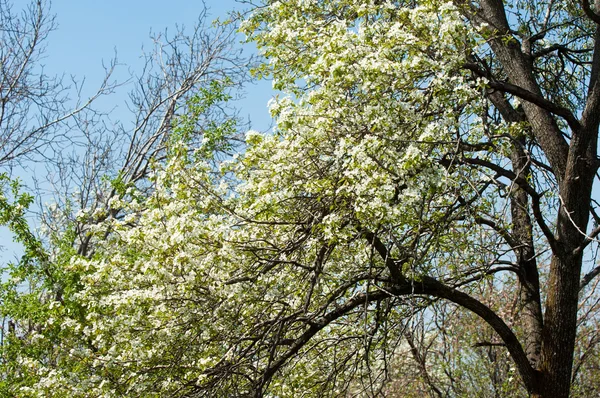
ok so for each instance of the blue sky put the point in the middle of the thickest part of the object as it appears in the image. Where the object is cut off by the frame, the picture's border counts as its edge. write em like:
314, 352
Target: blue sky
89, 33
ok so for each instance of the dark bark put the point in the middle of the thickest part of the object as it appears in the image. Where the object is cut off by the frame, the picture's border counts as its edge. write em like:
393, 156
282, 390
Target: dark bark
563, 286
528, 276
522, 237
519, 70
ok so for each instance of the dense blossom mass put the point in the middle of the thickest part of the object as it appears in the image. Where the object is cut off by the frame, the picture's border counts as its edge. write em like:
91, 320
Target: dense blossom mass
407, 181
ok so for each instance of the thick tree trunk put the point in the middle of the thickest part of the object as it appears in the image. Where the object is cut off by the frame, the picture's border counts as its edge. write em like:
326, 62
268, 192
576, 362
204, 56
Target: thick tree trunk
529, 281
521, 238
560, 327
560, 321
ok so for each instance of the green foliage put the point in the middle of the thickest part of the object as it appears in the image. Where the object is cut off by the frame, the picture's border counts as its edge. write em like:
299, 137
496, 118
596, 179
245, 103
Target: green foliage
37, 296
216, 135
13, 205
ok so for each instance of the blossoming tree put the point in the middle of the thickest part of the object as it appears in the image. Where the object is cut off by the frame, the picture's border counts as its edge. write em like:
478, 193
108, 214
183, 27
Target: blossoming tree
425, 152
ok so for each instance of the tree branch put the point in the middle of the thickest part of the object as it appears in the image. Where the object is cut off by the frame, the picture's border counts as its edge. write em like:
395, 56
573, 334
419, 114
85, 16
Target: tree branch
528, 96
424, 286
587, 278
394, 266
585, 4
590, 117
535, 197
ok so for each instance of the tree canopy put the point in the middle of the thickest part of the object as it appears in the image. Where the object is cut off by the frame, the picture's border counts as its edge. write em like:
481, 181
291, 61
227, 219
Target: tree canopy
431, 169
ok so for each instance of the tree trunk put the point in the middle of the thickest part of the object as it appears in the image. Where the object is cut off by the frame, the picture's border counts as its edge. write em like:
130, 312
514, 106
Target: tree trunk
522, 234
560, 321
560, 327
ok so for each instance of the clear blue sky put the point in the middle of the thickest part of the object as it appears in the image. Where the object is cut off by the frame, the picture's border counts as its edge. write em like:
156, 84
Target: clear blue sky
89, 32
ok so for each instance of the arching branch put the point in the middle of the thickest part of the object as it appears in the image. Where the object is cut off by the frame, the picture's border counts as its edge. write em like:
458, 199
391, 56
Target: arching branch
424, 286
